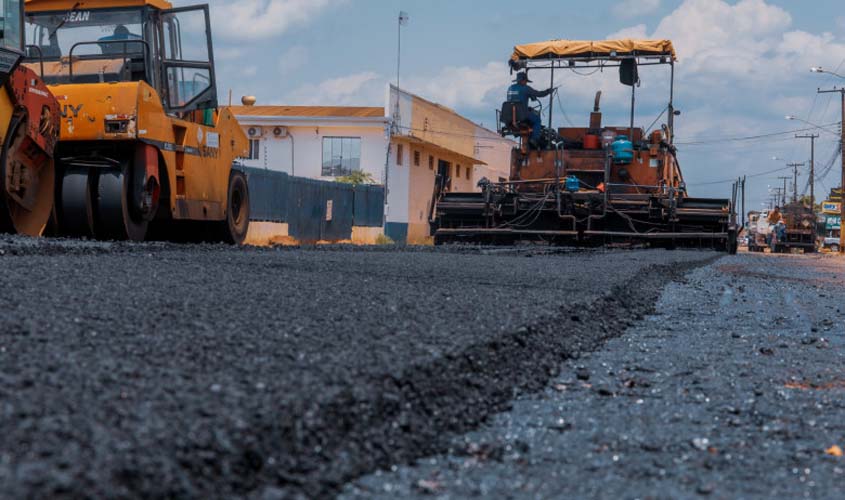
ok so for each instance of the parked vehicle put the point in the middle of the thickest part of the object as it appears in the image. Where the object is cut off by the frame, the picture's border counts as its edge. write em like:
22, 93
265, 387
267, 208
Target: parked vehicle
831, 243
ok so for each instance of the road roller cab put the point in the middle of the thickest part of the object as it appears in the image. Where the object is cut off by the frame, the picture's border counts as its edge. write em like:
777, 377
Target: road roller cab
144, 145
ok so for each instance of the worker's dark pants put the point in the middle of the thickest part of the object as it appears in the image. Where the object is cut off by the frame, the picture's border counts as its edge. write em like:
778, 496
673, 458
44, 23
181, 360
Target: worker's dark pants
536, 126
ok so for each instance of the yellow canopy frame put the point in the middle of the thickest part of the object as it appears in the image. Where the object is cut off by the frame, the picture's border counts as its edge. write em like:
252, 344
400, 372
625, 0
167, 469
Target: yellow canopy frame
592, 49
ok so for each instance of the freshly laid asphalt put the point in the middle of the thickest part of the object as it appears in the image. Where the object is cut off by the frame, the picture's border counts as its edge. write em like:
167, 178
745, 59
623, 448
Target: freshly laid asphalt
735, 388
158, 370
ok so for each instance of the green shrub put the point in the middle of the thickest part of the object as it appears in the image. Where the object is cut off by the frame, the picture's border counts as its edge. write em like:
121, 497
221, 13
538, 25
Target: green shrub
384, 240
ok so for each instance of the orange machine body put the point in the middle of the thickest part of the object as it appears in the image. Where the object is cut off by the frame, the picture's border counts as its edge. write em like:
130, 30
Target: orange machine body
196, 158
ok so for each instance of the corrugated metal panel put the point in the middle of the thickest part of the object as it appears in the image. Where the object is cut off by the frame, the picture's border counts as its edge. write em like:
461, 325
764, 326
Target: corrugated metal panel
342, 198
268, 194
302, 204
306, 209
369, 206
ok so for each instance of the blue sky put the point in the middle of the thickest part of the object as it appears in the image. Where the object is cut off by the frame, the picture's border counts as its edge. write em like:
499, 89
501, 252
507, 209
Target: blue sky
743, 65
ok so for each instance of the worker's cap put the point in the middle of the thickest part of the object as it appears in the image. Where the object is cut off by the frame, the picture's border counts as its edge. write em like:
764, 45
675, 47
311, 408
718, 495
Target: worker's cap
522, 76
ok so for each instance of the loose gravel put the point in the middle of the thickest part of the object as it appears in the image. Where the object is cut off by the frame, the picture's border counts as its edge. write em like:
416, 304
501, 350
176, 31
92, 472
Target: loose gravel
158, 370
733, 389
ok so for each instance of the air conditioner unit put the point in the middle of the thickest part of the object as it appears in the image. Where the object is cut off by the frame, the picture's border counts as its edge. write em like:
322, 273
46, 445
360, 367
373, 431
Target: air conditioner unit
280, 131
255, 132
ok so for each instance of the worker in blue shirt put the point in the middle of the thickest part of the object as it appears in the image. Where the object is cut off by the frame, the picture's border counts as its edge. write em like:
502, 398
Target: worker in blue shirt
521, 92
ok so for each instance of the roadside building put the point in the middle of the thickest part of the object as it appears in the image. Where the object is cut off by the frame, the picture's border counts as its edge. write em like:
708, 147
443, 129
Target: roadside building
432, 147
316, 142
831, 211
422, 148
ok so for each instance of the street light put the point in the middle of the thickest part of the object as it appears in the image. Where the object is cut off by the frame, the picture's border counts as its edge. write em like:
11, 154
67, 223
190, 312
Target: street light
819, 69
814, 125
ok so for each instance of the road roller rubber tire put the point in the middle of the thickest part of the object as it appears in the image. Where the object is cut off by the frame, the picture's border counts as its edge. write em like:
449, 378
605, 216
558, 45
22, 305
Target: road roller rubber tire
115, 218
236, 225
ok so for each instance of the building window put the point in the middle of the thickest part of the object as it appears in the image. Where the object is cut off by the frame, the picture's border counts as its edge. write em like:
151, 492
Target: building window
457, 171
254, 148
400, 152
341, 156
431, 162
416, 158
469, 172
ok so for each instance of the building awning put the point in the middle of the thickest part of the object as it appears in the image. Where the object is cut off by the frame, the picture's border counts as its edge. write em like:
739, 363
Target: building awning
439, 150
592, 49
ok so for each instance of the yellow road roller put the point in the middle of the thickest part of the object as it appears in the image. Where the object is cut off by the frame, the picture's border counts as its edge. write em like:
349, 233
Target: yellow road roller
144, 148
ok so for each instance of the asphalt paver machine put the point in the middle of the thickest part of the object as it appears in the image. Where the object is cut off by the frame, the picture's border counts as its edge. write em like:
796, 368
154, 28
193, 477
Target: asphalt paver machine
29, 128
144, 146
592, 185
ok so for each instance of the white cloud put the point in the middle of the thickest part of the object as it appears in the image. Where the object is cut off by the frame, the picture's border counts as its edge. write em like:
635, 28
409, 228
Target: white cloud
260, 19
743, 66
467, 87
628, 9
750, 40
638, 31
293, 59
227, 53
359, 89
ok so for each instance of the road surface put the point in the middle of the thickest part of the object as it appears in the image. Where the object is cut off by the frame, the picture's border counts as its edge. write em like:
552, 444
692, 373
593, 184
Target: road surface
208, 371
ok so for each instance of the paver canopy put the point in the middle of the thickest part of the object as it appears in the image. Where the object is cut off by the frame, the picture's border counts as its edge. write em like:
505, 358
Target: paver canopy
592, 49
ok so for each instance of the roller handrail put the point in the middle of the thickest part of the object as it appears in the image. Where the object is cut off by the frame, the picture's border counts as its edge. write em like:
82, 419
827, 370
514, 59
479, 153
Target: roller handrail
40, 57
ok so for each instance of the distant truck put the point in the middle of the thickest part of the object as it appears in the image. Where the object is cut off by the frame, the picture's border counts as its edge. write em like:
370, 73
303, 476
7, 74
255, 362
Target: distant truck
758, 231
800, 230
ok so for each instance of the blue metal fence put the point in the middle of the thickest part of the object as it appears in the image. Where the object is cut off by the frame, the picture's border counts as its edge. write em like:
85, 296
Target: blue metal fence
369, 206
304, 203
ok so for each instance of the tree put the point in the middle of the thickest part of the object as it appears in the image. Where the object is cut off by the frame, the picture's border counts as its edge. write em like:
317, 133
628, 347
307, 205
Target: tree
357, 178
805, 200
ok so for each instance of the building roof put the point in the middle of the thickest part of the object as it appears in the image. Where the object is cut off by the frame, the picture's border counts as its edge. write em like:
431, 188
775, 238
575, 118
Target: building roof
479, 128
309, 111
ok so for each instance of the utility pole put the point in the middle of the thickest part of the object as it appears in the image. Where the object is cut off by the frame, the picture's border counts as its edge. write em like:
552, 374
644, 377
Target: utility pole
402, 21
812, 138
782, 192
841, 92
794, 181
744, 215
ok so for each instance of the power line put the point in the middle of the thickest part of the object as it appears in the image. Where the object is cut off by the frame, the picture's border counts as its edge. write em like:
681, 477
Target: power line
752, 137
726, 181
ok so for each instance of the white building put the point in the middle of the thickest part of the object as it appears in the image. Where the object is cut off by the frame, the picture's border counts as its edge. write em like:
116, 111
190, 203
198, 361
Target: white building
406, 153
317, 142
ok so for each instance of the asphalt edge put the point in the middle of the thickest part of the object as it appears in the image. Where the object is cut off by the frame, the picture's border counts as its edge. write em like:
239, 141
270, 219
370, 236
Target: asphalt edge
391, 420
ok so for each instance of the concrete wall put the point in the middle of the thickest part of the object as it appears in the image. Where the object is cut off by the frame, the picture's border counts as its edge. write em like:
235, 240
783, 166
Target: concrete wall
263, 234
